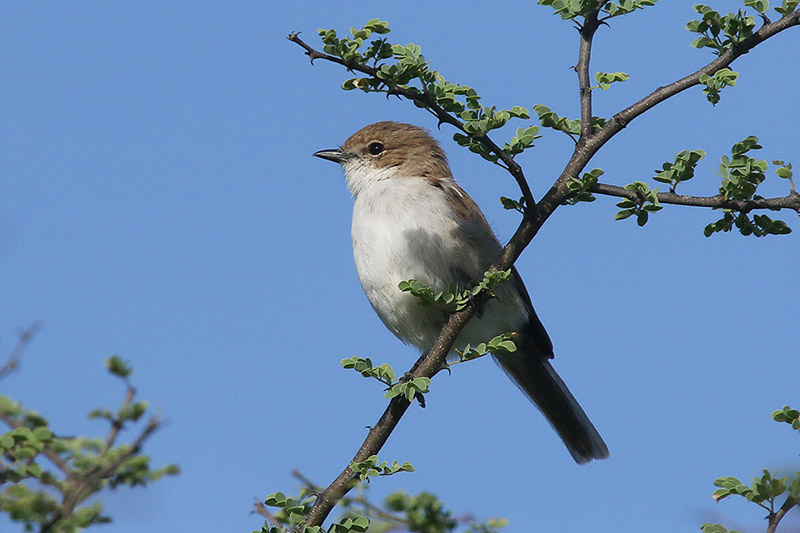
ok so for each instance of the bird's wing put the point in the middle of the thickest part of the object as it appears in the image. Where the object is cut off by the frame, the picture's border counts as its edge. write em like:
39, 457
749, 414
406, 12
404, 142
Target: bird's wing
483, 243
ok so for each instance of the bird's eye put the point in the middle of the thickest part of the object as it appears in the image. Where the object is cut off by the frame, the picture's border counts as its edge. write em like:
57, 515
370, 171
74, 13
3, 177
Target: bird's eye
375, 148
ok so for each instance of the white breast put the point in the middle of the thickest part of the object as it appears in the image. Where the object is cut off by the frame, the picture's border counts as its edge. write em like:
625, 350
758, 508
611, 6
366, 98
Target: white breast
404, 229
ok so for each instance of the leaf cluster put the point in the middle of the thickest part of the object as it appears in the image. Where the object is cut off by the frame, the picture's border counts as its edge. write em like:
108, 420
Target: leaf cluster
784, 171
423, 512
32, 507
291, 511
521, 141
454, 299
741, 176
766, 489
787, 6
581, 188
410, 388
19, 449
498, 345
370, 467
605, 79
383, 373
722, 78
410, 74
571, 9
646, 202
348, 48
682, 169
788, 415
69, 469
516, 205
572, 127
721, 32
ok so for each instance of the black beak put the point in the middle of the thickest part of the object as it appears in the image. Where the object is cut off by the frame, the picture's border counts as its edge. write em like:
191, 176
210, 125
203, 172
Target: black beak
337, 155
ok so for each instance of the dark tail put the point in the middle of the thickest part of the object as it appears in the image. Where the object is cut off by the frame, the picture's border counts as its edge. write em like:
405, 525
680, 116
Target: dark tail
540, 382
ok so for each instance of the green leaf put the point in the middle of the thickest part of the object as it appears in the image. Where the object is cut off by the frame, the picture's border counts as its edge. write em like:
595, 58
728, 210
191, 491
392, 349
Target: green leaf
787, 7
580, 189
646, 202
724, 77
6, 442
605, 79
508, 203
549, 119
789, 416
721, 32
762, 6
682, 169
276, 499
715, 528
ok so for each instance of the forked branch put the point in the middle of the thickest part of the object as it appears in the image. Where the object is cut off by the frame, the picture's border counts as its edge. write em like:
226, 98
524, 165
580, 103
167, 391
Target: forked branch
535, 213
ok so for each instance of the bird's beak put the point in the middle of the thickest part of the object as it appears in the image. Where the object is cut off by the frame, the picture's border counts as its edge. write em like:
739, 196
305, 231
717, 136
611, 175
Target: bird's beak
337, 155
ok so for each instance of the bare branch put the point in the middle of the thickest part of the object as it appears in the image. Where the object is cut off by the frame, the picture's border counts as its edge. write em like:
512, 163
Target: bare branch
587, 31
117, 424
24, 339
790, 201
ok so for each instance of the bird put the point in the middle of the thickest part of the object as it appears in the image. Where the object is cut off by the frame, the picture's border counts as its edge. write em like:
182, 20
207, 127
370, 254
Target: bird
411, 220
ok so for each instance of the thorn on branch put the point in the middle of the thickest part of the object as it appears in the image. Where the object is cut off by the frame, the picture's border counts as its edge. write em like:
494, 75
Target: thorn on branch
310, 52
420, 399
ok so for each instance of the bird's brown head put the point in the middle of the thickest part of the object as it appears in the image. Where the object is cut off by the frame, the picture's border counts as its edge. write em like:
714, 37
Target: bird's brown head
388, 150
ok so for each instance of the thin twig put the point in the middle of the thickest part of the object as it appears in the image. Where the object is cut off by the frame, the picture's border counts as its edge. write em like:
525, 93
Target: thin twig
24, 339
116, 423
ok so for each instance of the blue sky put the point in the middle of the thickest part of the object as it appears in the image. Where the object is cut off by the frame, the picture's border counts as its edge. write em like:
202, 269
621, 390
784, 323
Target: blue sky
160, 202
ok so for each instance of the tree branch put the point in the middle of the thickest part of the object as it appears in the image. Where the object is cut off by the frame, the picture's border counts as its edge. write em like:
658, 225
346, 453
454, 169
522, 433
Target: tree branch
117, 424
621, 119
790, 201
588, 146
775, 518
534, 217
80, 484
430, 104
587, 31
22, 342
